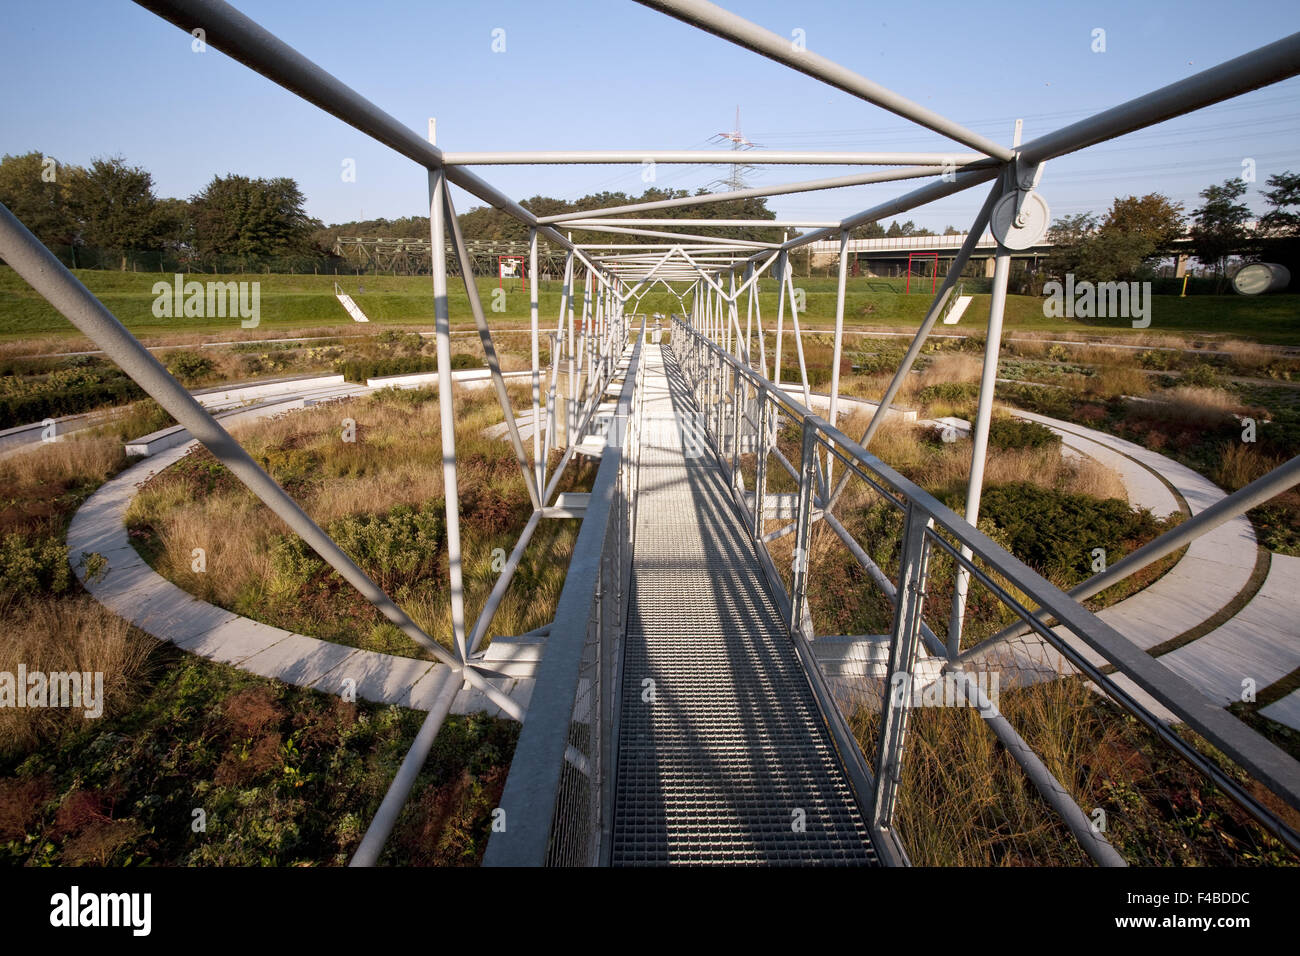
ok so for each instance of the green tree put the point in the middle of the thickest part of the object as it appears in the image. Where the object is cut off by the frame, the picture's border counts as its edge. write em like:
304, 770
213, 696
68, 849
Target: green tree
868, 230
115, 206
1219, 226
1283, 216
34, 187
239, 216
1153, 217
1067, 236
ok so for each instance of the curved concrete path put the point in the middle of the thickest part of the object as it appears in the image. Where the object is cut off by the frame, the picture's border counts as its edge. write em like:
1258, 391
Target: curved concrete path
137, 593
1257, 646
1260, 643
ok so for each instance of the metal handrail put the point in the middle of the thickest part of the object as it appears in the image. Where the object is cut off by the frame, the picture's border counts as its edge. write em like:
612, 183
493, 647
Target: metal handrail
534, 832
1265, 761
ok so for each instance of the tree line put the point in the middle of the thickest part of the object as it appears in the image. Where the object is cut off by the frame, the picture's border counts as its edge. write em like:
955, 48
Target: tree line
108, 214
1137, 232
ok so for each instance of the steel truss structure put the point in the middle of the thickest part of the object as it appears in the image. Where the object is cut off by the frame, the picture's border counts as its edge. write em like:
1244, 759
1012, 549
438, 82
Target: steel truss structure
557, 800
410, 257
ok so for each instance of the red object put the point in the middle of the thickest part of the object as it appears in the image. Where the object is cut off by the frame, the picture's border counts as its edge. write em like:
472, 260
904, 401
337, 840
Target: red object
934, 281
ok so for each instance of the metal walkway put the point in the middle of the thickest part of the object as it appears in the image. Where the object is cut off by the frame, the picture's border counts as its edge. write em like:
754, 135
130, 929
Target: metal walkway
724, 757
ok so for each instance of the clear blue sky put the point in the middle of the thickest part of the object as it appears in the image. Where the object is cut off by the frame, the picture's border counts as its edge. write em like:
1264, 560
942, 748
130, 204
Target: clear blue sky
87, 78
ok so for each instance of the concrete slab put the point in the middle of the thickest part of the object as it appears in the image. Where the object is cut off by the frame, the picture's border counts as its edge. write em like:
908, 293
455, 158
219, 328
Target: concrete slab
379, 677
1260, 644
299, 660
1285, 711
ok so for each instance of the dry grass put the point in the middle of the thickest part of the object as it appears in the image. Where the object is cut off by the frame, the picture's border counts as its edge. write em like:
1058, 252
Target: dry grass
38, 481
1192, 405
62, 461
949, 367
1248, 356
1114, 381
1241, 463
395, 461
67, 634
903, 447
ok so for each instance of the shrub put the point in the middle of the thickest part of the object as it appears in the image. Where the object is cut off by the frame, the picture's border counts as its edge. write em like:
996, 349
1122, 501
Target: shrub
32, 565
951, 392
54, 402
1201, 375
1056, 532
189, 367
399, 547
358, 370
1009, 433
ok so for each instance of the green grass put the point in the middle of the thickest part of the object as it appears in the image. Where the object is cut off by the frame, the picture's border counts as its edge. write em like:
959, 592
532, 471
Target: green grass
298, 301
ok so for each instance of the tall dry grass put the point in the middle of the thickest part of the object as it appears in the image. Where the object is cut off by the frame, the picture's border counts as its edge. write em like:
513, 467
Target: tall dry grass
1191, 405
949, 367
67, 634
1241, 463
395, 461
904, 447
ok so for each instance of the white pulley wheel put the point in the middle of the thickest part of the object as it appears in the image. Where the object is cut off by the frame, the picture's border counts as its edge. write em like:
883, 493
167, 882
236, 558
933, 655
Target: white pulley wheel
1035, 217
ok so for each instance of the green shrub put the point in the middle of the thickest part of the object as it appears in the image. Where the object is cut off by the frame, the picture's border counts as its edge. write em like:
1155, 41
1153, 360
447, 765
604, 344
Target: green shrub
1158, 360
32, 565
1056, 532
396, 548
1201, 375
816, 375
951, 392
29, 408
358, 370
1010, 433
189, 367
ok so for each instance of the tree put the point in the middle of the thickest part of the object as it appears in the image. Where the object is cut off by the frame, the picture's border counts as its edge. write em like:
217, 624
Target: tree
1154, 217
35, 189
1067, 236
115, 206
1219, 226
1283, 199
239, 216
868, 230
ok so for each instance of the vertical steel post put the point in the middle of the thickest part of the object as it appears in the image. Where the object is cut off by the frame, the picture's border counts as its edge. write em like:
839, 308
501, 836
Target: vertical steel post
446, 403
904, 641
807, 471
782, 266
760, 468
537, 372
980, 438
839, 343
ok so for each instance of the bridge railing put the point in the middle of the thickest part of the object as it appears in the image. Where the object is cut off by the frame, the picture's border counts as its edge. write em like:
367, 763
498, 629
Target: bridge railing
556, 809
913, 714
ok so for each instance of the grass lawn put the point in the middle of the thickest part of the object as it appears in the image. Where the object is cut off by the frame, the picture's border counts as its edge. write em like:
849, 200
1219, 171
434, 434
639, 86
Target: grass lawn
297, 302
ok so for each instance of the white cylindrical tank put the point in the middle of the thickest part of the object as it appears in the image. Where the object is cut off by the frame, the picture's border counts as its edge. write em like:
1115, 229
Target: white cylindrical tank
1260, 277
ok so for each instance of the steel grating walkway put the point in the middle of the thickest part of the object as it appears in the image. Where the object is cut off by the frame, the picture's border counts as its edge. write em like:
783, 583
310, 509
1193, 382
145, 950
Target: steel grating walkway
732, 753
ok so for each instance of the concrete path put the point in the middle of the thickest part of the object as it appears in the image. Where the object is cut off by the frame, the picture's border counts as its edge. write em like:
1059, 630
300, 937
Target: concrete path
1260, 643
135, 592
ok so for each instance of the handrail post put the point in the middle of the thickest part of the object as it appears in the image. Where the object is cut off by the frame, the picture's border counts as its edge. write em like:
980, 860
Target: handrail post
760, 468
903, 644
799, 596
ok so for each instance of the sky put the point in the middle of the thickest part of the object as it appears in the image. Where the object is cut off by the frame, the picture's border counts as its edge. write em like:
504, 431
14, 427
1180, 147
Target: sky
91, 78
